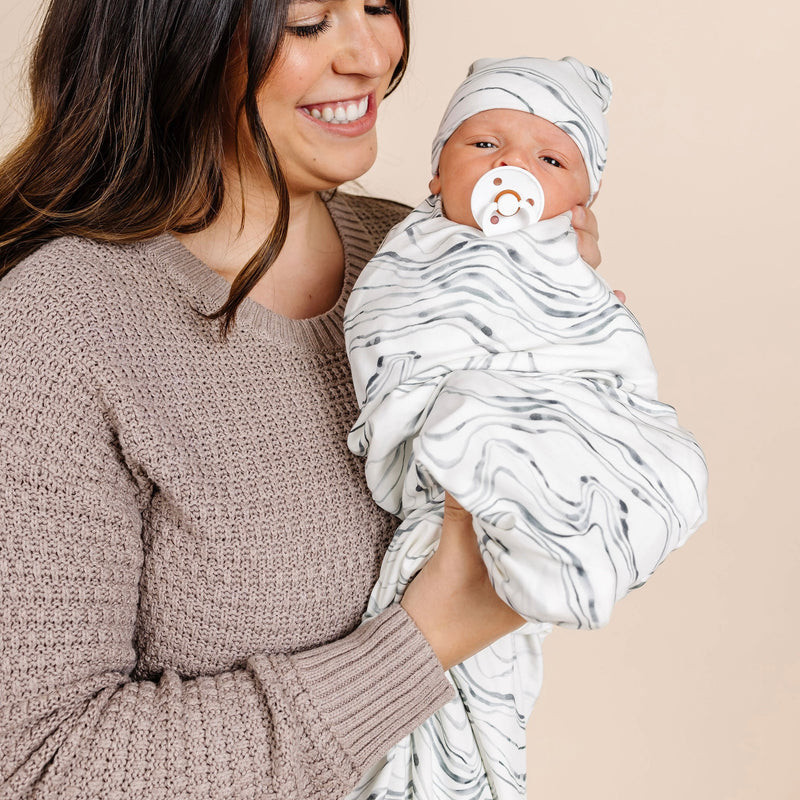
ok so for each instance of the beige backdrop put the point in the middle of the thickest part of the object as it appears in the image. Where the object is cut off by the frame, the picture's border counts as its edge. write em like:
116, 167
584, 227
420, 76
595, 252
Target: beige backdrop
693, 691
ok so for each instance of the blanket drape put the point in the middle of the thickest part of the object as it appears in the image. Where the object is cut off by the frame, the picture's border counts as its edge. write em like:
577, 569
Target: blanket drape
506, 372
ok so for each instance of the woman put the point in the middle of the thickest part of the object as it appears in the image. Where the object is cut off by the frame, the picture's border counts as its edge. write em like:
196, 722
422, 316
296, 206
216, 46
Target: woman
188, 545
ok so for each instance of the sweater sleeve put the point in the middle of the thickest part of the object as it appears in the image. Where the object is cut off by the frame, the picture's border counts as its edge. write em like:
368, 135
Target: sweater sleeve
74, 720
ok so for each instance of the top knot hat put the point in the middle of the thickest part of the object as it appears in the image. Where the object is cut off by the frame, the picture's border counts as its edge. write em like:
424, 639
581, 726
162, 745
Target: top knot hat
567, 93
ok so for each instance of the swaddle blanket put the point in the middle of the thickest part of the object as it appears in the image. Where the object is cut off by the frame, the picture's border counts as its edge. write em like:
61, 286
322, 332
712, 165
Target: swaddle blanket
505, 371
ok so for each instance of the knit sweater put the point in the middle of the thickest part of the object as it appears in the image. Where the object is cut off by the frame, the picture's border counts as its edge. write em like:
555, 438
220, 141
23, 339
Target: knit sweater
186, 543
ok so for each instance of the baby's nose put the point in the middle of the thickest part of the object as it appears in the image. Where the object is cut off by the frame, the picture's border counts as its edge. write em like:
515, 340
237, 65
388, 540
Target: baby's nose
512, 158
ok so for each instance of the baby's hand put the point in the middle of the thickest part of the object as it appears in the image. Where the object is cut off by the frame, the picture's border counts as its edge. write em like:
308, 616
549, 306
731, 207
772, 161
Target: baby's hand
585, 224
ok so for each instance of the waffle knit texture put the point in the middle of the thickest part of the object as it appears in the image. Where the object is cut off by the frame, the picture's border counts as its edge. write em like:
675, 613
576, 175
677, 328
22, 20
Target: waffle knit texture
186, 544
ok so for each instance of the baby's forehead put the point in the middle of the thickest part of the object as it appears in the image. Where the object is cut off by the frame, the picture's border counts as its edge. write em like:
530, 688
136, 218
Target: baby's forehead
513, 123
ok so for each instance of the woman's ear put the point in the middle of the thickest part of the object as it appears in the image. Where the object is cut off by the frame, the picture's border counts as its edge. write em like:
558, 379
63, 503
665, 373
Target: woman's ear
435, 185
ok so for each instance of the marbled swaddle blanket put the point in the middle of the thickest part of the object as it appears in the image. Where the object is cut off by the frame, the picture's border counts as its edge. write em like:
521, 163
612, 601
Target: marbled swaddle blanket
505, 371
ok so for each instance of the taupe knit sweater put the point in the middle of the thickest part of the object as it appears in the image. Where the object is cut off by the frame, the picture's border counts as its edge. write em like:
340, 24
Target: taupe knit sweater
186, 543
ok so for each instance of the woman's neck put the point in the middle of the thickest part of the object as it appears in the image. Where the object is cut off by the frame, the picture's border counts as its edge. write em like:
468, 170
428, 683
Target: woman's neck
306, 278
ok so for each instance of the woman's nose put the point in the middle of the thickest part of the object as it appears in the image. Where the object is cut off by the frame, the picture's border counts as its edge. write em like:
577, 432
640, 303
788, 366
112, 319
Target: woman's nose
363, 51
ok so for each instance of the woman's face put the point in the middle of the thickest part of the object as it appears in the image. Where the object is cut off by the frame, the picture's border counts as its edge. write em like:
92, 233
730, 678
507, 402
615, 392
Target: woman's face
319, 103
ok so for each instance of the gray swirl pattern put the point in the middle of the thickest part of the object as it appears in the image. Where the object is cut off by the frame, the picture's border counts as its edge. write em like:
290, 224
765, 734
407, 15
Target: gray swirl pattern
568, 93
504, 370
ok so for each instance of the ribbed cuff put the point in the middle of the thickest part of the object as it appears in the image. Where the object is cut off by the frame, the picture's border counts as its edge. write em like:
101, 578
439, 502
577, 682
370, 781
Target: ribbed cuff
374, 686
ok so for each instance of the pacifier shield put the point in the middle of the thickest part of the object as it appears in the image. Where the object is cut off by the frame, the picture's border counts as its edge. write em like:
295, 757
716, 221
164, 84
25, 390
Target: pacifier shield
507, 199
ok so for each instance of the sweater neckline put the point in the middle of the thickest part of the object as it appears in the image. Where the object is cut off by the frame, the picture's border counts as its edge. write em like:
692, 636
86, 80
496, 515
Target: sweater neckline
206, 290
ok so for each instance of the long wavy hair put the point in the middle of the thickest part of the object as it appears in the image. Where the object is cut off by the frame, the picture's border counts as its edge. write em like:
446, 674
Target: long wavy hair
129, 112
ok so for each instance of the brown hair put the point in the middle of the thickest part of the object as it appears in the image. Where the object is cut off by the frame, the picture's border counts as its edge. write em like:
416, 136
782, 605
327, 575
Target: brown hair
129, 108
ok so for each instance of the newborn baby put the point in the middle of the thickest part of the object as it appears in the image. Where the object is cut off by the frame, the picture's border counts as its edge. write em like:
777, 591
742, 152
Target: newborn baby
491, 362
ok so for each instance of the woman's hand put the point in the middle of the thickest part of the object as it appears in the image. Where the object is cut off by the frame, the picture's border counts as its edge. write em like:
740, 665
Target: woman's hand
585, 224
452, 600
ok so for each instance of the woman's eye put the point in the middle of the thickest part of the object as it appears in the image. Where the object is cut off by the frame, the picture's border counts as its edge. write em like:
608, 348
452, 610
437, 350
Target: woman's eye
309, 31
552, 161
312, 30
385, 8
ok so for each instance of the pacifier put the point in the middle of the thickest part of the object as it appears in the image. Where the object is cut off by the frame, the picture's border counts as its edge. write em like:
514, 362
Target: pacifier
507, 199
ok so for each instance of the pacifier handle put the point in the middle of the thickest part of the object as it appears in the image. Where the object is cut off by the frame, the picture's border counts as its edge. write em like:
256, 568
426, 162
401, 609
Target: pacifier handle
507, 199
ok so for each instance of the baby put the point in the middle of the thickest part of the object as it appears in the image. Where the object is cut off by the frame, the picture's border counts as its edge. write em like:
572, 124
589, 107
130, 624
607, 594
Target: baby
491, 362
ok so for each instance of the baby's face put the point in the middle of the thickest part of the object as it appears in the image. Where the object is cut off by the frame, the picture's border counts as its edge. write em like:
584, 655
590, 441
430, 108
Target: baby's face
502, 137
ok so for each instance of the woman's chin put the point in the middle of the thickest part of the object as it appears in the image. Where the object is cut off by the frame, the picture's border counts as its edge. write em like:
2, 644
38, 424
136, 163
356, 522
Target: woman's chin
343, 171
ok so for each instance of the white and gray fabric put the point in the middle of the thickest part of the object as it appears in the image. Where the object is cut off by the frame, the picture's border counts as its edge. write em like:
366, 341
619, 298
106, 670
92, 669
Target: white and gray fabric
571, 95
505, 371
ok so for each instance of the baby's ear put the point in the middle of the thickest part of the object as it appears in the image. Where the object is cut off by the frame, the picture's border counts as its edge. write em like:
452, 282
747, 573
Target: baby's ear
435, 185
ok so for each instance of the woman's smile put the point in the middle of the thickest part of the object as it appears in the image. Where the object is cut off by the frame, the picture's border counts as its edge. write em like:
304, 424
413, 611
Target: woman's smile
353, 116
339, 112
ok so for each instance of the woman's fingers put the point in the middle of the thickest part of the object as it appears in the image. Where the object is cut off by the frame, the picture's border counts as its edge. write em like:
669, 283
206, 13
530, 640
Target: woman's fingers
584, 219
585, 224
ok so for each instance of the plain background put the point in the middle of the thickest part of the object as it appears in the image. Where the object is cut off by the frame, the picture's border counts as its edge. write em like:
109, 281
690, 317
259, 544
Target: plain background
693, 690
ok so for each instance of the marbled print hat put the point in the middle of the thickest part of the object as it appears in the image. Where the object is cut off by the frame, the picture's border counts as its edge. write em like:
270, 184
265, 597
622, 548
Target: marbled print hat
567, 93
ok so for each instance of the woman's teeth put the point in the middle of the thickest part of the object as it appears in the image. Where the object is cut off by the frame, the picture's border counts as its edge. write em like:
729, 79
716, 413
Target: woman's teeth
341, 113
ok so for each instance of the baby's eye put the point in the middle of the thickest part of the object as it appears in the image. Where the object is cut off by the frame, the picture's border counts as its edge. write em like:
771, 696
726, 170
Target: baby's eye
552, 161
484, 144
